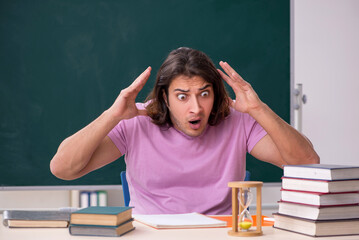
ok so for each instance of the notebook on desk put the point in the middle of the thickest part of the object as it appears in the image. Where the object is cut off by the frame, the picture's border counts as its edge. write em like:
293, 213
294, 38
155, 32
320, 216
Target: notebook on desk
187, 220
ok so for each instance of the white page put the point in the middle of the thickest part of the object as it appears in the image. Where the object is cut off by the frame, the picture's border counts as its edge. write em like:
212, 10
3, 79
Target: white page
187, 220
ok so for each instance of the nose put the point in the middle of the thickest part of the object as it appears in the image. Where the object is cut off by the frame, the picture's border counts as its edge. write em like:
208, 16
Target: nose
195, 106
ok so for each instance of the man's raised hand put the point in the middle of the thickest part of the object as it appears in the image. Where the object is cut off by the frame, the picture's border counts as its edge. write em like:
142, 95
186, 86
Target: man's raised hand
247, 99
125, 107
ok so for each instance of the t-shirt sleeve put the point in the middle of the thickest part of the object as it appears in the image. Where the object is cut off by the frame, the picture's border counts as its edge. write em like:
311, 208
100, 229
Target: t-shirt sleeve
124, 128
118, 137
254, 132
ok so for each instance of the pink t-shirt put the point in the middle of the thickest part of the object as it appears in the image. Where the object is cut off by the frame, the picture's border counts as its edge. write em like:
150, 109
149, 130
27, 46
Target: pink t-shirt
170, 172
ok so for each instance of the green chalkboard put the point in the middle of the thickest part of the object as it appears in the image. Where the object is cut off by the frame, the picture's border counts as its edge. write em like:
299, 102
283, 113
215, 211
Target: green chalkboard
63, 62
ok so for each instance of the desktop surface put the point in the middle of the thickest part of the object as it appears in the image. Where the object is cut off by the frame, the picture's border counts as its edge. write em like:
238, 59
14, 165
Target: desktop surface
144, 232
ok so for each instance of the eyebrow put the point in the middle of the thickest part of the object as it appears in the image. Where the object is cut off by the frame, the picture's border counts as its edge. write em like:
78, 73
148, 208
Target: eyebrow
206, 86
185, 91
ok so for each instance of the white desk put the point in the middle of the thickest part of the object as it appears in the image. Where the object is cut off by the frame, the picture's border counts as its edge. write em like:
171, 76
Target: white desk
145, 232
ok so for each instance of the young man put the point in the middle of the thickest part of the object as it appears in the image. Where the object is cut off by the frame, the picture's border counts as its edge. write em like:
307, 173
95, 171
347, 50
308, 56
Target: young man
187, 142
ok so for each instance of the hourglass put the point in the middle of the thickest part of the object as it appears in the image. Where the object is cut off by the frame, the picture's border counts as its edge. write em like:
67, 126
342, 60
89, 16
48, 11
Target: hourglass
241, 193
245, 199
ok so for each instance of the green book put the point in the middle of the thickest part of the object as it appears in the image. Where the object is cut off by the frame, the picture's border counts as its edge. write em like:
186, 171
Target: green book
98, 230
104, 216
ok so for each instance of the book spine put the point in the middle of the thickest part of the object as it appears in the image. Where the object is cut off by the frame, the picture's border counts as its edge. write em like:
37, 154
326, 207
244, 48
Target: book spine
84, 199
75, 198
102, 198
93, 199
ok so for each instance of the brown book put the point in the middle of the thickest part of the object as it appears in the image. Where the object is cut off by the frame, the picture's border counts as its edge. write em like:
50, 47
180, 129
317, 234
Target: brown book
316, 228
105, 216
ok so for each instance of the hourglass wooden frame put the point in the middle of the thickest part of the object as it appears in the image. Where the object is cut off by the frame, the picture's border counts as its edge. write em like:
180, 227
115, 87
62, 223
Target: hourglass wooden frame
237, 187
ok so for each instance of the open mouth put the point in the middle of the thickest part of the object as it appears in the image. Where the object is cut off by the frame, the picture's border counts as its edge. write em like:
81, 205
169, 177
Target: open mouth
195, 122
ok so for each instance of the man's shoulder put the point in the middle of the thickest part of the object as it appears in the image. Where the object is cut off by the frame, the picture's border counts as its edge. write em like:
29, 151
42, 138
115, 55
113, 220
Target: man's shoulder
236, 114
237, 118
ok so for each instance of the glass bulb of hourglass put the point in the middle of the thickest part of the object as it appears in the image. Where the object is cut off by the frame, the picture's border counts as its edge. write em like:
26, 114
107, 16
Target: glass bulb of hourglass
245, 219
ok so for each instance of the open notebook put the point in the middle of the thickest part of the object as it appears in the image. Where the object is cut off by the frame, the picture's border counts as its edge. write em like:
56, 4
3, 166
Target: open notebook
187, 220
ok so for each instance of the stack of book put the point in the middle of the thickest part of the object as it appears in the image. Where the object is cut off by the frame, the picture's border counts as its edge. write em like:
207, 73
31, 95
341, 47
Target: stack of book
319, 200
36, 219
101, 221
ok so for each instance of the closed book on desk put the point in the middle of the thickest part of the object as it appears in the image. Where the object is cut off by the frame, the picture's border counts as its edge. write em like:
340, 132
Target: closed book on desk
322, 171
98, 230
320, 199
109, 216
324, 186
38, 219
316, 228
319, 212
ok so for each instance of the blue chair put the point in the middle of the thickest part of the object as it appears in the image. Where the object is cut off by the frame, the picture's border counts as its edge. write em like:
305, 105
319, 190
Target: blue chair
248, 176
126, 192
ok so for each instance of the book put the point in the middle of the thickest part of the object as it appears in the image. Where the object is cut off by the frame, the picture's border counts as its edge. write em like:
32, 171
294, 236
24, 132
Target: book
38, 219
102, 198
85, 199
324, 186
316, 228
320, 199
75, 198
98, 230
186, 220
93, 199
319, 212
322, 171
110, 216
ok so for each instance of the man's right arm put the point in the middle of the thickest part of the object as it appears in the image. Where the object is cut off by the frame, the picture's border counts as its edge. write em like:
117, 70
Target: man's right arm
91, 148
86, 150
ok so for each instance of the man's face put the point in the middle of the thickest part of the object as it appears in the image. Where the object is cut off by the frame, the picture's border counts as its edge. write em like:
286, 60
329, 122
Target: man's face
190, 102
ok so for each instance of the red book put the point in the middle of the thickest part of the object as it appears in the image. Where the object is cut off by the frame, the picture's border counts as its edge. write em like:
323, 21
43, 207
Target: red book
314, 212
324, 186
320, 199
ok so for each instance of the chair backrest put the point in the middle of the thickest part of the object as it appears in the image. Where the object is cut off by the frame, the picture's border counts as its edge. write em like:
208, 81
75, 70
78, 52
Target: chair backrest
126, 192
248, 176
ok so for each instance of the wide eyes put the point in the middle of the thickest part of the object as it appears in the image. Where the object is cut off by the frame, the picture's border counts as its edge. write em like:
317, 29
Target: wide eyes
205, 94
183, 97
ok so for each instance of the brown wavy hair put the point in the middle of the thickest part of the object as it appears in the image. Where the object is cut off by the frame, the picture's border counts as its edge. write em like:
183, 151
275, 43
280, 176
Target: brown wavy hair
187, 62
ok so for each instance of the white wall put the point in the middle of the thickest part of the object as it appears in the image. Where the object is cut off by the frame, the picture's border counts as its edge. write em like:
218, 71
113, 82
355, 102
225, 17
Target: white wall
50, 199
326, 61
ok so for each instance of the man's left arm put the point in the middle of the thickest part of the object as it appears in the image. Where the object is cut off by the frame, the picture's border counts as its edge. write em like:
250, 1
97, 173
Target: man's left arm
283, 144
